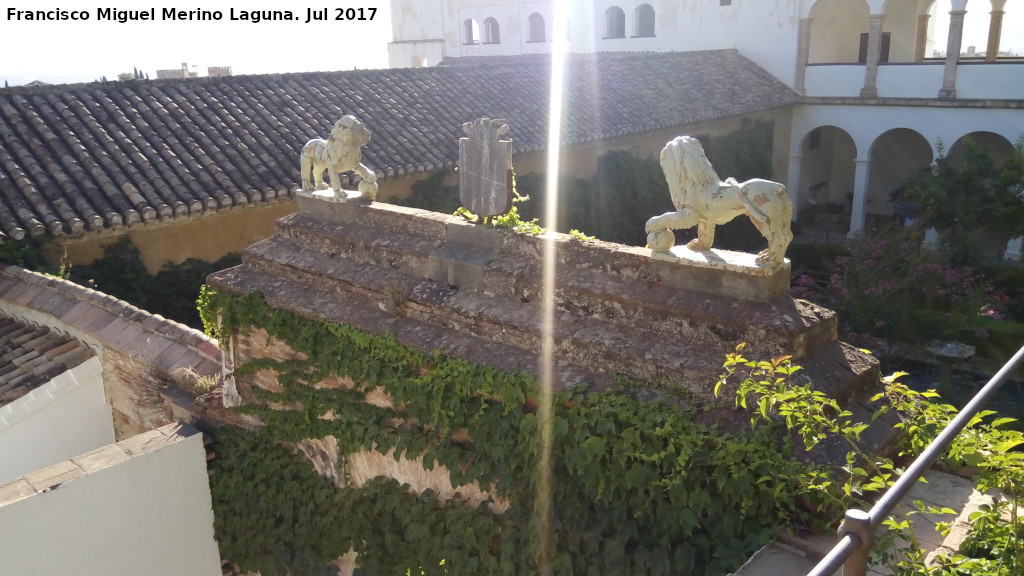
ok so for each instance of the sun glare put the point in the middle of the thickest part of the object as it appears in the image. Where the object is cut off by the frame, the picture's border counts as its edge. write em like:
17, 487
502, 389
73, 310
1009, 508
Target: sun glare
544, 505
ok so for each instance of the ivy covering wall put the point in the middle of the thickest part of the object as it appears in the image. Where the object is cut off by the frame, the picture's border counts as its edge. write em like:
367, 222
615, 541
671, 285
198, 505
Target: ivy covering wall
640, 487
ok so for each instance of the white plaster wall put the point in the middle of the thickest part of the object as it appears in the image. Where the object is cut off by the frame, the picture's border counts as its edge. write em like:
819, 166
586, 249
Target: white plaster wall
834, 81
912, 81
763, 31
148, 515
63, 418
1003, 80
406, 54
417, 19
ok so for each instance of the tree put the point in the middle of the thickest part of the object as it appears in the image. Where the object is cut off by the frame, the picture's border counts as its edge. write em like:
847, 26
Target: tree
971, 203
125, 76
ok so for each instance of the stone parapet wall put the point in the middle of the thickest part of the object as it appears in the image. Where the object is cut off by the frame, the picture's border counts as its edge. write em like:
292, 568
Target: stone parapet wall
146, 358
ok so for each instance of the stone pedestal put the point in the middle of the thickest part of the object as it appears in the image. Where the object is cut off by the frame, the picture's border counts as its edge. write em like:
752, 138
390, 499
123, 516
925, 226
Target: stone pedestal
438, 283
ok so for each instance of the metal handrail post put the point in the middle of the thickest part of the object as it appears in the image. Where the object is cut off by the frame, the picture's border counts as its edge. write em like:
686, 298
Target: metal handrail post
857, 523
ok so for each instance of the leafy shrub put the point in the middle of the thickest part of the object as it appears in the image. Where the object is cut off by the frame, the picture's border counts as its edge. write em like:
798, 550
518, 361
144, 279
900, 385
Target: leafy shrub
28, 254
431, 193
892, 287
987, 444
972, 201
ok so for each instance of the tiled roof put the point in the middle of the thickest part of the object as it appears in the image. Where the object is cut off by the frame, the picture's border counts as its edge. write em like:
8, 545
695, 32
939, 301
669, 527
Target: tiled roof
32, 355
75, 159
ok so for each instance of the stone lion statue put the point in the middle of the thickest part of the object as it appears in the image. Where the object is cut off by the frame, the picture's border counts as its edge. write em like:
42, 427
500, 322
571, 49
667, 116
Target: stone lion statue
702, 200
339, 153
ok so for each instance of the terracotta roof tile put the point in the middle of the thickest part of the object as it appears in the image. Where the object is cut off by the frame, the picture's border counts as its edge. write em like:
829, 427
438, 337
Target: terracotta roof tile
32, 355
83, 158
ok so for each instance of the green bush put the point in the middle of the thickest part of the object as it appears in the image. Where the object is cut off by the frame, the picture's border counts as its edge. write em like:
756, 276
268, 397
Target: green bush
973, 202
172, 292
431, 193
988, 444
891, 286
28, 254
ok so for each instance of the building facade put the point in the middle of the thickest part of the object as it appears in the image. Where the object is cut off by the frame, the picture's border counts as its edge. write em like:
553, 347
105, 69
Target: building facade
886, 85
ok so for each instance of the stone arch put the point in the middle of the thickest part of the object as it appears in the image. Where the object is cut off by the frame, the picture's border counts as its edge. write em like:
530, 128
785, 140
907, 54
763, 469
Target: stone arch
997, 146
536, 28
643, 21
895, 155
826, 178
470, 31
614, 22
900, 30
492, 31
836, 27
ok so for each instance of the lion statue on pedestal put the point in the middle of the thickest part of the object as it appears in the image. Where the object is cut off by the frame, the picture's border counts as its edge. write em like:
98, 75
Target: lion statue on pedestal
704, 201
339, 153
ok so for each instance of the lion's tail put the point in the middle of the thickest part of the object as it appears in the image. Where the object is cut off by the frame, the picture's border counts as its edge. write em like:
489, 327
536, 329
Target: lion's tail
305, 164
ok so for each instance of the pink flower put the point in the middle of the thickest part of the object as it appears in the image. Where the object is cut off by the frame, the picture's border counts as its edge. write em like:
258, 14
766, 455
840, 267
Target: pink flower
989, 312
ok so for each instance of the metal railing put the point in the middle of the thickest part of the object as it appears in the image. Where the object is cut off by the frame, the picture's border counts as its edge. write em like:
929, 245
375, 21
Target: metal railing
857, 530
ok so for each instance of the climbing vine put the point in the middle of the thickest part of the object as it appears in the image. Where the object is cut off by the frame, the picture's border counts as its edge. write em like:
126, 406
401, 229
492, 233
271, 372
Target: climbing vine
641, 487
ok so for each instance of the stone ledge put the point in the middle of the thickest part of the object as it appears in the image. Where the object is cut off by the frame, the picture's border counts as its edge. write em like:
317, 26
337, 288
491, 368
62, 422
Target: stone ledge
52, 477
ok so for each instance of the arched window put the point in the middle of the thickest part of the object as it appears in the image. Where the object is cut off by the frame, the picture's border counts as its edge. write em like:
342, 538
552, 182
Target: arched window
643, 17
492, 35
536, 28
614, 23
471, 31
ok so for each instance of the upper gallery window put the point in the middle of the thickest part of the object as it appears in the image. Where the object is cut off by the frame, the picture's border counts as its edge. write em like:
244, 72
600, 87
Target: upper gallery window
492, 34
536, 22
614, 23
470, 32
643, 18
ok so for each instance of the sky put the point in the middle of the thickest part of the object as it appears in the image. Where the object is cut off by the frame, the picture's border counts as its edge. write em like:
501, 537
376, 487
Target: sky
976, 24
83, 51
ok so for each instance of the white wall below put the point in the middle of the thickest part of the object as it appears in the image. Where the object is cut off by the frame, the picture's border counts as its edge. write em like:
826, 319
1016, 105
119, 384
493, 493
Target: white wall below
910, 81
991, 81
141, 506
842, 81
63, 418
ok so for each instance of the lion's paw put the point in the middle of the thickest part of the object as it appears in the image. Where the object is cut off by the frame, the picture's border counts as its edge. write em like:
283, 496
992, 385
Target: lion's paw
765, 258
697, 246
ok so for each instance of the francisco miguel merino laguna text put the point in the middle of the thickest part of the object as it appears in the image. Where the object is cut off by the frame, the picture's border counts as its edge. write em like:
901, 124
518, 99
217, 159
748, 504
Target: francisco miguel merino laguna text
124, 16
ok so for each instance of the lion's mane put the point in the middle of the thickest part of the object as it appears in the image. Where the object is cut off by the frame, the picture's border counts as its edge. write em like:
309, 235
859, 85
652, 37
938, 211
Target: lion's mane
688, 171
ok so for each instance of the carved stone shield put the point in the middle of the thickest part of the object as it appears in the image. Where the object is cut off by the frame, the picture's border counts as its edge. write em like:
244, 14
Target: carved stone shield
485, 167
